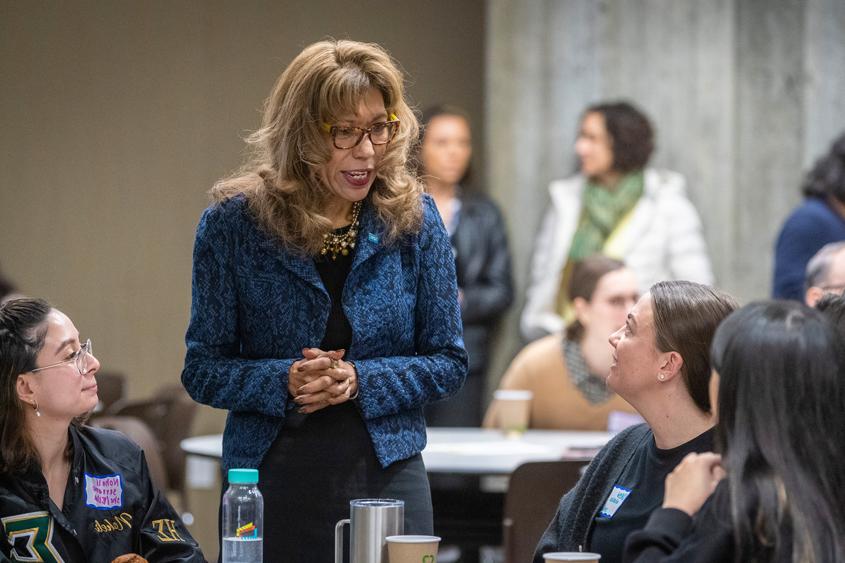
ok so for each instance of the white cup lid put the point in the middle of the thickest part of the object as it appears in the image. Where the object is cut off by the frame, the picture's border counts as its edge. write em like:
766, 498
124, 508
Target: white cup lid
413, 539
571, 556
513, 394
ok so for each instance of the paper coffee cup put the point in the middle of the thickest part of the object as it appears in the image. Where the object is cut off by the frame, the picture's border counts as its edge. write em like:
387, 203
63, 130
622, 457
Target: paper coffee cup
412, 549
584, 557
513, 409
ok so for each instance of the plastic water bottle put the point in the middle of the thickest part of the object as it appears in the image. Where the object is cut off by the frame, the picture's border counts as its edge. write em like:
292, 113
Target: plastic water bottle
243, 518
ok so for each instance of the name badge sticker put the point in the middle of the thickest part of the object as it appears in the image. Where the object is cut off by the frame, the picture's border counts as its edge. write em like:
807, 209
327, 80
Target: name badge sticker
104, 492
614, 501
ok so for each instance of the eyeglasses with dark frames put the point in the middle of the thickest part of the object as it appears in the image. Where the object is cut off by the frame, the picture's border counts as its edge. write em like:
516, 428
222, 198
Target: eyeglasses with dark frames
79, 359
347, 137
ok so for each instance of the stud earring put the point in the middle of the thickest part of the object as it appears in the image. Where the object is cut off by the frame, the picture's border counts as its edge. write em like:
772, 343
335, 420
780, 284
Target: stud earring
661, 377
35, 406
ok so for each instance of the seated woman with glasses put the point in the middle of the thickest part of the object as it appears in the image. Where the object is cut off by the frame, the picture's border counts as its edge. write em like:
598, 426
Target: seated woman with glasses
69, 492
325, 306
566, 372
661, 365
776, 492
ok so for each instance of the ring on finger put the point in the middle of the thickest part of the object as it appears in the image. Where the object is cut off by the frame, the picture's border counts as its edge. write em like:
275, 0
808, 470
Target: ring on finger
334, 363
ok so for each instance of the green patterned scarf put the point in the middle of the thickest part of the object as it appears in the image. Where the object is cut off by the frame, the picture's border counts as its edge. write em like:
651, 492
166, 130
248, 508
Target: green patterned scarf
603, 210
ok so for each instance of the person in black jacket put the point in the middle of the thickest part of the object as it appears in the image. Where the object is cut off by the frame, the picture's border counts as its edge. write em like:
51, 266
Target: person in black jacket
482, 259
778, 389
70, 492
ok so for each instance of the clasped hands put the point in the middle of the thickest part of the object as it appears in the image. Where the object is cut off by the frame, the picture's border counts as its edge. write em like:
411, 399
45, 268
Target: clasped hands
692, 482
320, 379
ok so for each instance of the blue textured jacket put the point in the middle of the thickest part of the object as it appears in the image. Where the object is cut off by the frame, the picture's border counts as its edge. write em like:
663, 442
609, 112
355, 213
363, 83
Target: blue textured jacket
255, 305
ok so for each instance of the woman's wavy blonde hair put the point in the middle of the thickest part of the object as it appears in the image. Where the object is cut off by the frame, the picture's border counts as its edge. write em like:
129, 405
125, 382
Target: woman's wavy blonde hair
282, 182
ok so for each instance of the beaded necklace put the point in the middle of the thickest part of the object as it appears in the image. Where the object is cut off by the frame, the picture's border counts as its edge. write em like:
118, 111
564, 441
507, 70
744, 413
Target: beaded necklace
334, 244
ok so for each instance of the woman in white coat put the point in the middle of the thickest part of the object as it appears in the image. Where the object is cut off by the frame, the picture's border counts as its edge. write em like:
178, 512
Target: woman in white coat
614, 206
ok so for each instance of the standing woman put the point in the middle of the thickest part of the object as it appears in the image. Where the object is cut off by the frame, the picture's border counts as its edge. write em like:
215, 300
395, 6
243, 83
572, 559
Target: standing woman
779, 388
482, 260
325, 312
819, 220
615, 206
661, 365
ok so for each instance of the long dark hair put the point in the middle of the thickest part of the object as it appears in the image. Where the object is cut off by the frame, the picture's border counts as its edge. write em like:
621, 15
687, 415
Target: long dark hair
781, 422
22, 332
827, 178
833, 308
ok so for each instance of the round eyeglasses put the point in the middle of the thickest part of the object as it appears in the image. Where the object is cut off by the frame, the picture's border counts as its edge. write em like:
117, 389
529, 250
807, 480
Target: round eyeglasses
345, 138
79, 359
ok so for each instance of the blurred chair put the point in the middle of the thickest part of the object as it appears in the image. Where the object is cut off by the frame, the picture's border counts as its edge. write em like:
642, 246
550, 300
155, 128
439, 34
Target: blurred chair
531, 502
137, 431
111, 388
169, 413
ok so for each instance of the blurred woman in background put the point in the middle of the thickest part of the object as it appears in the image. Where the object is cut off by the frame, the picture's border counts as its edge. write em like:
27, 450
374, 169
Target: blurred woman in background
615, 206
566, 372
818, 221
482, 259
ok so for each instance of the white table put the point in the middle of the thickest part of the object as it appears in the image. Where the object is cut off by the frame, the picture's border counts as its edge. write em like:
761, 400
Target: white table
473, 451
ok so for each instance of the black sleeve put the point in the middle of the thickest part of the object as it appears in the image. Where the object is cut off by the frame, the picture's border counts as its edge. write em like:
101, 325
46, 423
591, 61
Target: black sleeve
492, 293
672, 536
569, 530
162, 535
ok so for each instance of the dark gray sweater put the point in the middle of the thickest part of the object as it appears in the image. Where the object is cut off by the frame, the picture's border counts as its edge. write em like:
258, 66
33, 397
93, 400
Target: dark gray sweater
570, 529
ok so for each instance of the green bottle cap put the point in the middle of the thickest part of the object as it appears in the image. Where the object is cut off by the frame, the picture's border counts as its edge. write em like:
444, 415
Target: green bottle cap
243, 476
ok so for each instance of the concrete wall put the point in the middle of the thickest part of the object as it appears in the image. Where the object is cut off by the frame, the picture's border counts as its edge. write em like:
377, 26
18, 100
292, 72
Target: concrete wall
745, 94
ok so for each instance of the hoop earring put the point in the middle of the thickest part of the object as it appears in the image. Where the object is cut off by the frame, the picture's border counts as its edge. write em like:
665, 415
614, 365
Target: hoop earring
35, 406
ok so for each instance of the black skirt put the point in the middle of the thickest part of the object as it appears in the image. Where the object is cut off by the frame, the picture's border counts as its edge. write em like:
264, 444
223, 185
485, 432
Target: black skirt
316, 465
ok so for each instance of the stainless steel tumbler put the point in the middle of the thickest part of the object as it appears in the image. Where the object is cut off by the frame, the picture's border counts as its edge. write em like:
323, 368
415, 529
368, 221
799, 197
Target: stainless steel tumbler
371, 520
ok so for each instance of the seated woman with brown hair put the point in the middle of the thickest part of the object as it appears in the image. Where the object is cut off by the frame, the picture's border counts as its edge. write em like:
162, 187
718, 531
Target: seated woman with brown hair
566, 372
775, 493
661, 365
69, 492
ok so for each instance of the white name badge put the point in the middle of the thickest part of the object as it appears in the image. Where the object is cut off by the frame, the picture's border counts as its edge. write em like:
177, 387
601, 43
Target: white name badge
614, 501
103, 492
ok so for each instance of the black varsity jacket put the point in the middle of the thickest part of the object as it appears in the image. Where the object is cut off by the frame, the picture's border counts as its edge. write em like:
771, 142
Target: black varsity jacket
111, 507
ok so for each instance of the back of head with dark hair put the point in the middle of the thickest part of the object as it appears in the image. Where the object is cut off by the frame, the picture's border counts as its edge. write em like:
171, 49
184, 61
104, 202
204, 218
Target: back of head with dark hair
686, 315
781, 419
585, 277
631, 134
22, 332
827, 177
832, 306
